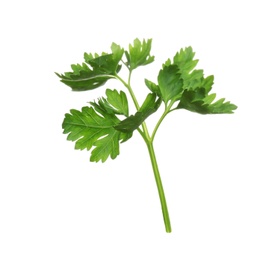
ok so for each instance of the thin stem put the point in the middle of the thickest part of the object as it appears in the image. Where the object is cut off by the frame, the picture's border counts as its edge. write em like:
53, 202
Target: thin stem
158, 181
158, 123
145, 133
128, 86
166, 111
149, 142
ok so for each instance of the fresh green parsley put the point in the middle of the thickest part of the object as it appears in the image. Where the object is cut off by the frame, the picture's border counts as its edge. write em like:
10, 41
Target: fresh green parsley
106, 123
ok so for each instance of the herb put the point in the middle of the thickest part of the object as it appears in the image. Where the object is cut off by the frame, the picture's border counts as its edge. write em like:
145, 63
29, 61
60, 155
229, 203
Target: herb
100, 127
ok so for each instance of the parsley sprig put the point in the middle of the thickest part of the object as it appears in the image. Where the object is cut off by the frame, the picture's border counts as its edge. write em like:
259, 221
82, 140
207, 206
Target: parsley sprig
100, 127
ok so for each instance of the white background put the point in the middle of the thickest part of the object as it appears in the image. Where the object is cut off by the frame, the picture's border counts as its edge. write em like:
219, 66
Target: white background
55, 204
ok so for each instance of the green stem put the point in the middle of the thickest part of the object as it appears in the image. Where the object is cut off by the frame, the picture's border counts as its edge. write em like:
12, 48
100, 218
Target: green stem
128, 86
145, 133
149, 142
158, 123
166, 111
159, 187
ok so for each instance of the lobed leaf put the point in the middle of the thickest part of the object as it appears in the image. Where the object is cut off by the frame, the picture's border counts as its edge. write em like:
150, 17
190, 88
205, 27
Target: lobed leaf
153, 87
198, 101
178, 80
118, 101
149, 106
170, 83
139, 54
94, 128
176, 75
184, 59
96, 70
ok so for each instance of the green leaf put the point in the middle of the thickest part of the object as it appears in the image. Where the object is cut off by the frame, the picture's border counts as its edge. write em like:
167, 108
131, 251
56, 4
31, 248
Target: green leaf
117, 52
93, 128
153, 87
170, 83
184, 59
198, 101
118, 101
106, 63
139, 54
221, 107
193, 80
195, 95
149, 106
177, 75
207, 83
96, 70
